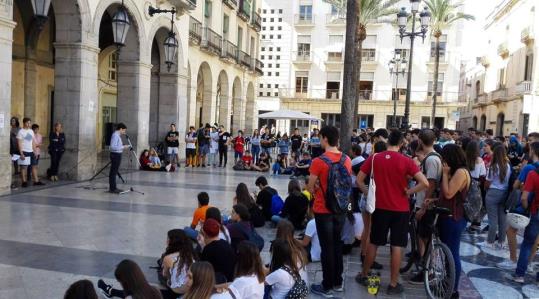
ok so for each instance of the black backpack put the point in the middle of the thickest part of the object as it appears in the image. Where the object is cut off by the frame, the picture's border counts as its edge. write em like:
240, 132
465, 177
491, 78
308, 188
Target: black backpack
339, 185
299, 290
252, 236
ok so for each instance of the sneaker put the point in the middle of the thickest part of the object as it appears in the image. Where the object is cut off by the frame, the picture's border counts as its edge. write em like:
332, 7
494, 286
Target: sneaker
339, 288
507, 265
168, 167
105, 288
39, 183
455, 295
24, 184
417, 279
362, 280
396, 290
376, 266
518, 279
318, 289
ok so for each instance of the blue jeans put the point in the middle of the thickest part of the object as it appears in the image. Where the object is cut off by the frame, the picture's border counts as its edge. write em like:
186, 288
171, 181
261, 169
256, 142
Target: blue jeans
450, 232
530, 234
276, 168
255, 151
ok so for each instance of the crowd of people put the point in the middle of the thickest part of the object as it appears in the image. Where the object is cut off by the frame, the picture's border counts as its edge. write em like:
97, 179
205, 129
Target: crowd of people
218, 255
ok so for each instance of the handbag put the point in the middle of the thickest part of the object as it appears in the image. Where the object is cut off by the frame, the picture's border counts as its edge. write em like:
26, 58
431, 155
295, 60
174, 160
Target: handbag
370, 205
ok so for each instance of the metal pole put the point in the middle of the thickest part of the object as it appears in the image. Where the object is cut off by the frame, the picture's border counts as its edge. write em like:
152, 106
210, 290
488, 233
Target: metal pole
406, 120
396, 97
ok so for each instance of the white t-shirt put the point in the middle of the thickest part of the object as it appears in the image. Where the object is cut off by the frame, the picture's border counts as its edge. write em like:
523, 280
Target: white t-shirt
224, 295
225, 236
26, 135
479, 169
281, 283
247, 287
177, 280
190, 141
310, 231
214, 145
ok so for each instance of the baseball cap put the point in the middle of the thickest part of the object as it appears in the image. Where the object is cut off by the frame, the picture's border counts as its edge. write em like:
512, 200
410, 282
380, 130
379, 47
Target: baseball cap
211, 228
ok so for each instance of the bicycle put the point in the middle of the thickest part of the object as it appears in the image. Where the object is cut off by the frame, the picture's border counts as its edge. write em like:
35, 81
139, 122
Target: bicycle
437, 263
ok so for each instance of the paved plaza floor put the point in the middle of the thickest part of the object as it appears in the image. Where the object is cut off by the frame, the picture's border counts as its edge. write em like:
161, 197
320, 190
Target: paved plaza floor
53, 236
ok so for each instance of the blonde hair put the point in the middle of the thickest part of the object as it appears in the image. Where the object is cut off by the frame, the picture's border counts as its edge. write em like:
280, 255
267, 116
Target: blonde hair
203, 281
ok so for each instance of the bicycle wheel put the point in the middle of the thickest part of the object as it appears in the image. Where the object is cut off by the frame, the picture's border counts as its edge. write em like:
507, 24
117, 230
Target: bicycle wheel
439, 272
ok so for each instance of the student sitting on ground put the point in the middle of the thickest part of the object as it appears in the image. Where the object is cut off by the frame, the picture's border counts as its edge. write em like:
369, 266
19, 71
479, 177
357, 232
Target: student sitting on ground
84, 289
285, 231
295, 206
144, 159
154, 159
310, 239
278, 165
217, 252
240, 226
263, 163
202, 283
245, 162
264, 197
302, 167
199, 215
249, 275
176, 263
133, 283
283, 270
244, 197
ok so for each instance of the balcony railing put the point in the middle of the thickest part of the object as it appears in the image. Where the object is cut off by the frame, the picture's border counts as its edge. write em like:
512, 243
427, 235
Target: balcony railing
482, 98
257, 66
335, 57
302, 56
244, 12
211, 40
256, 21
368, 55
195, 30
366, 95
231, 3
244, 59
522, 88
181, 4
335, 19
499, 94
332, 94
304, 19
229, 51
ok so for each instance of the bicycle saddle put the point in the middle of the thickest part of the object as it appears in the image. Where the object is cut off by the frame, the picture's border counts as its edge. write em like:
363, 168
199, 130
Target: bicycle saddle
442, 211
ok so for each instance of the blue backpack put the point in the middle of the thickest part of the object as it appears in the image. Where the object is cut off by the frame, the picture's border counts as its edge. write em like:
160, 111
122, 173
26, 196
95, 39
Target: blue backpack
277, 204
339, 185
252, 236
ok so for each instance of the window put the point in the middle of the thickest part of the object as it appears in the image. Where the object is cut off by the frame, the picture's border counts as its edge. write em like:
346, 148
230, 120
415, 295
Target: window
113, 66
263, 28
262, 56
264, 11
276, 94
276, 73
501, 78
440, 84
240, 38
271, 48
269, 73
263, 19
225, 25
276, 85
277, 65
331, 119
278, 57
270, 56
207, 9
263, 49
403, 52
302, 82
335, 39
261, 85
368, 55
443, 45
271, 28
268, 85
272, 19
273, 11
268, 94
366, 121
305, 12
271, 36
278, 49
528, 67
304, 45
278, 36
263, 36
425, 122
260, 94
280, 11
280, 19
279, 27
334, 56
269, 65
396, 124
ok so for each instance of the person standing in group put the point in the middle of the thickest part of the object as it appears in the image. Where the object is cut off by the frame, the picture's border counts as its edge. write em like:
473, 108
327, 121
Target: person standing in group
172, 145
191, 147
25, 139
255, 146
214, 147
38, 142
315, 144
203, 138
296, 142
57, 142
391, 171
239, 146
284, 145
224, 137
13, 144
329, 224
116, 148
266, 140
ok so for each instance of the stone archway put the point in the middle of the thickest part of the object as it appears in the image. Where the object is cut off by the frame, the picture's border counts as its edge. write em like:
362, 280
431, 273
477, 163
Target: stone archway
483, 123
222, 98
205, 110
500, 119
237, 112
250, 108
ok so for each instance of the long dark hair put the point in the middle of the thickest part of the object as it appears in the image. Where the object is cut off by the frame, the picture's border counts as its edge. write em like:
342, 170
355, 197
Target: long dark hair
133, 282
174, 236
186, 254
282, 256
82, 289
285, 231
472, 153
454, 156
243, 196
499, 162
294, 187
215, 214
249, 261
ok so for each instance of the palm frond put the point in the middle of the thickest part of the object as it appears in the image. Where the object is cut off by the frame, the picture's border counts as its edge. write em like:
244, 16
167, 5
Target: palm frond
445, 13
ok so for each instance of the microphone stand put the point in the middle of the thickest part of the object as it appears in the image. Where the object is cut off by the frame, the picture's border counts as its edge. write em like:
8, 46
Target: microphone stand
133, 155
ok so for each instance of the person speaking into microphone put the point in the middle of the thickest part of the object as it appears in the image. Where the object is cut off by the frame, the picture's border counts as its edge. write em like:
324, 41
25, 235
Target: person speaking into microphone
116, 149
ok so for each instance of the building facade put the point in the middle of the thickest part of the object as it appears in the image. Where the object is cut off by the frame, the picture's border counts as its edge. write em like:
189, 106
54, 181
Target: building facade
67, 68
501, 86
302, 49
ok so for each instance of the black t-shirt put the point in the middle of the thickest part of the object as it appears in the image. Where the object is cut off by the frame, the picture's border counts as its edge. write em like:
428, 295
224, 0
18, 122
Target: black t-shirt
355, 139
223, 138
221, 256
295, 209
264, 138
296, 141
173, 143
264, 200
203, 136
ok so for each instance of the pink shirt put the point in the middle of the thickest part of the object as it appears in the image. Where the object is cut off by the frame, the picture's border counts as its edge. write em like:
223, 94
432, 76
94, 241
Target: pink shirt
38, 140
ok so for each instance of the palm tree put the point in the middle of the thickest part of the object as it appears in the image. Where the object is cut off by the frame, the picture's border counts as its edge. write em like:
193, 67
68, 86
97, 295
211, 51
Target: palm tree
359, 13
444, 14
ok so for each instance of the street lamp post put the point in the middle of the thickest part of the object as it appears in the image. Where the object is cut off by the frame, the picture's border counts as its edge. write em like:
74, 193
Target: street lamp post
171, 43
402, 19
397, 66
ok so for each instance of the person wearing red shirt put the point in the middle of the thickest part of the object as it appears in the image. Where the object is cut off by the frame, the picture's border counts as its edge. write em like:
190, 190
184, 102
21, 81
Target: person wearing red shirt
247, 159
391, 171
328, 225
239, 143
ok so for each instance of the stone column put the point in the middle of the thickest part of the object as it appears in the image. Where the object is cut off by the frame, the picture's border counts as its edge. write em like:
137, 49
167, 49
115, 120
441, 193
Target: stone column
208, 105
75, 106
6, 42
224, 111
134, 79
30, 89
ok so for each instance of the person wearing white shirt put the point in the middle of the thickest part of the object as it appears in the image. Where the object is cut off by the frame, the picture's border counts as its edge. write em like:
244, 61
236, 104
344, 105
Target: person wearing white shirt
311, 238
249, 281
26, 144
202, 281
280, 279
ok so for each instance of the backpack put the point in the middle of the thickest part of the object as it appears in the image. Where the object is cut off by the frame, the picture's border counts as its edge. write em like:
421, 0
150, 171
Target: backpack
513, 199
339, 185
240, 165
277, 204
424, 171
474, 201
512, 178
252, 236
299, 290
